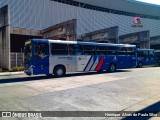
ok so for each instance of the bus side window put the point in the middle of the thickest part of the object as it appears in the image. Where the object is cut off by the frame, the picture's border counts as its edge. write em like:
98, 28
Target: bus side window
89, 50
145, 53
71, 49
130, 51
59, 49
101, 50
75, 49
122, 51
140, 53
79, 49
151, 53
112, 50
42, 50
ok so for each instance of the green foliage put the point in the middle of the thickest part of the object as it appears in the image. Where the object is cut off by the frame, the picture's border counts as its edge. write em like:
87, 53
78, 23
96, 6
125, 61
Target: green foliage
1, 70
15, 69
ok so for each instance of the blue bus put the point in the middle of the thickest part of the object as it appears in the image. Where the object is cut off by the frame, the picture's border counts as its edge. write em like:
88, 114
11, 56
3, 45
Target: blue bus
145, 57
157, 55
43, 56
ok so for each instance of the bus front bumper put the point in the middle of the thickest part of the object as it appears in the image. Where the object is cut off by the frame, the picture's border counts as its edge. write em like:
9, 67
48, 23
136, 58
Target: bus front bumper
29, 71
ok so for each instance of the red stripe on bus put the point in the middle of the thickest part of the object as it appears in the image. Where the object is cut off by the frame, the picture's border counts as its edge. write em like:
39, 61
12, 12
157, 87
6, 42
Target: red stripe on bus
100, 64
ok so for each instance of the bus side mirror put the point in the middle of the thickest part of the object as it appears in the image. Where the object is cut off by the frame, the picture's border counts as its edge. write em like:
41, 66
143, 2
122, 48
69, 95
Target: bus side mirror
42, 56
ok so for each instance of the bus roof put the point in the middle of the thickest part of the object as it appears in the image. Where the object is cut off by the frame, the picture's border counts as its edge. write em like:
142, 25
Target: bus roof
145, 49
157, 50
82, 43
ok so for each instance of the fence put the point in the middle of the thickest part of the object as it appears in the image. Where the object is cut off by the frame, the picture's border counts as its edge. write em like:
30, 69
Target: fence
17, 59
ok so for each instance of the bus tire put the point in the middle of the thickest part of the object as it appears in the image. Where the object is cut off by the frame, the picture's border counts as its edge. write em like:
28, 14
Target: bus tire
112, 67
59, 71
140, 65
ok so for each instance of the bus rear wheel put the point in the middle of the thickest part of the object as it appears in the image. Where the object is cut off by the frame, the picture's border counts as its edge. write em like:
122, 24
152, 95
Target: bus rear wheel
112, 68
59, 71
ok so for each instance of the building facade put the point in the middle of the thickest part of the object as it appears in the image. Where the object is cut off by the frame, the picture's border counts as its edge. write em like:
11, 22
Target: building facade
26, 18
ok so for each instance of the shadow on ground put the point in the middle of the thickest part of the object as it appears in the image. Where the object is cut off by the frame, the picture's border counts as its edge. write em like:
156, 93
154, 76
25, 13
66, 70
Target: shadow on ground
33, 78
154, 108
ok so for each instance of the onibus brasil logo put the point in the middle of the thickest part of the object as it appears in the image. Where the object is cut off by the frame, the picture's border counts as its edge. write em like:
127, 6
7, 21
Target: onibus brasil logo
137, 22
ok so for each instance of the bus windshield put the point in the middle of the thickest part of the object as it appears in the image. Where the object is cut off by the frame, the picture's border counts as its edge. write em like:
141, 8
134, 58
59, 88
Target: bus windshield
27, 53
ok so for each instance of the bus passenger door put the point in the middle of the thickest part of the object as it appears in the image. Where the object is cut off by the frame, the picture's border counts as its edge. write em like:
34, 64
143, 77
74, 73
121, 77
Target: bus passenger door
41, 58
122, 59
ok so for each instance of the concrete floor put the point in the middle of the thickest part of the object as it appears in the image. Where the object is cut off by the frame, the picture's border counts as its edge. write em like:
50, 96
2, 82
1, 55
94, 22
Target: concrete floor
126, 90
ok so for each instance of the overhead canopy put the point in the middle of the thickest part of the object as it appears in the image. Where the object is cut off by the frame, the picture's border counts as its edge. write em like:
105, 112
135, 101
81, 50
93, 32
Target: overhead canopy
126, 5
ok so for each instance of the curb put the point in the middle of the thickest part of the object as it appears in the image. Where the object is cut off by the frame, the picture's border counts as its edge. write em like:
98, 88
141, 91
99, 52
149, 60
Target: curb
11, 73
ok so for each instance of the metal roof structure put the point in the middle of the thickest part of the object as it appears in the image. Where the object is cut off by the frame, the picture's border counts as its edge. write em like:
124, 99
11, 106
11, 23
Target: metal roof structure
132, 6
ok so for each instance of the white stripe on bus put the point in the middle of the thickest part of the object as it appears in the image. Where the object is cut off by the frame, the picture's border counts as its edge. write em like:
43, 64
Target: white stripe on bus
90, 64
95, 64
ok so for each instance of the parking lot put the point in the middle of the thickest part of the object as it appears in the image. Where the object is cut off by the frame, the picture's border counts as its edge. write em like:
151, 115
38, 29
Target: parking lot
125, 90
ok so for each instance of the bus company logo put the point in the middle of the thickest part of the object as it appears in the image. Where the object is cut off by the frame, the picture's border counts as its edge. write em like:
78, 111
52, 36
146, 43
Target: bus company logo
137, 22
76, 58
79, 58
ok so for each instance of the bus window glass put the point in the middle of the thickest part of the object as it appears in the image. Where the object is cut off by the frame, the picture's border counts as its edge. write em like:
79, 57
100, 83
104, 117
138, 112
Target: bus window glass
59, 49
41, 50
145, 53
130, 51
122, 51
151, 53
27, 52
112, 50
140, 53
157, 54
101, 50
89, 50
75, 49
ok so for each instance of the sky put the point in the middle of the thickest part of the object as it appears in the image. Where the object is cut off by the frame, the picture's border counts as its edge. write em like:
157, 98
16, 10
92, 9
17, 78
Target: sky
151, 1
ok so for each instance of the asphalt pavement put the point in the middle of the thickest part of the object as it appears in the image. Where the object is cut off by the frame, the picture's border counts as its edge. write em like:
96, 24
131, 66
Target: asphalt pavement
125, 90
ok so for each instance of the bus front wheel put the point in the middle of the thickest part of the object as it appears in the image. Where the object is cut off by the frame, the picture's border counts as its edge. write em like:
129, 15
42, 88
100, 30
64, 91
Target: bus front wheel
59, 71
140, 65
112, 68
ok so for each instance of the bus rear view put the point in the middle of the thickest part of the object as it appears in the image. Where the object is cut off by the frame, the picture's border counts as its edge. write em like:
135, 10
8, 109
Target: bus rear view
157, 55
145, 57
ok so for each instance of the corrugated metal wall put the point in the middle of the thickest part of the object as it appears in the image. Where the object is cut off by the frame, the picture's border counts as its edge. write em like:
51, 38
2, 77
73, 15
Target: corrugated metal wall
40, 14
